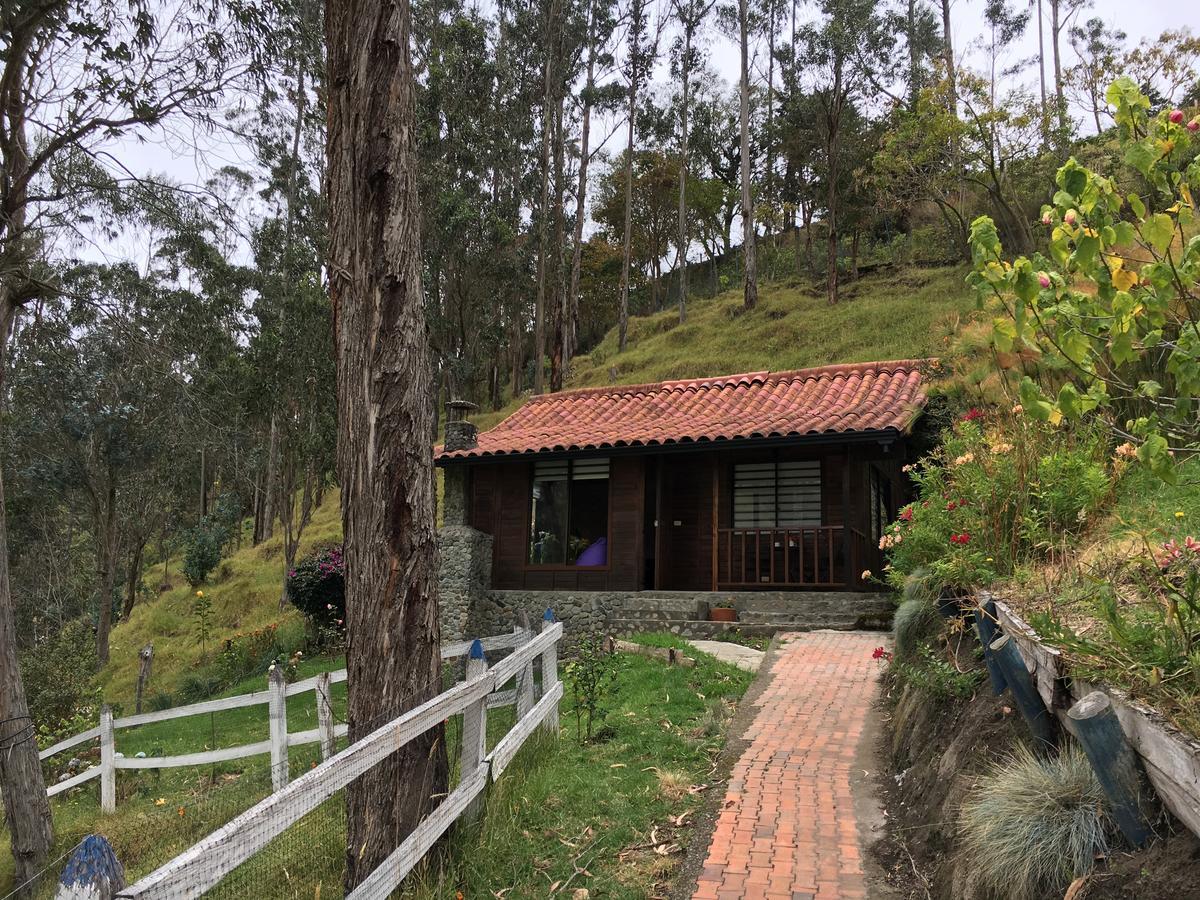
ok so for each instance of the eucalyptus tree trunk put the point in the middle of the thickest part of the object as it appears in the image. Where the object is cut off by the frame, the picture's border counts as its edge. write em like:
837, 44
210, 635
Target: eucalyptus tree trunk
1045, 120
686, 76
750, 275
22, 787
539, 313
558, 371
833, 123
627, 242
572, 313
385, 432
104, 512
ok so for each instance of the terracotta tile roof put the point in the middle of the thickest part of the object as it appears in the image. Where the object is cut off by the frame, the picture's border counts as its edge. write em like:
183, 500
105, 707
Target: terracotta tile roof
841, 399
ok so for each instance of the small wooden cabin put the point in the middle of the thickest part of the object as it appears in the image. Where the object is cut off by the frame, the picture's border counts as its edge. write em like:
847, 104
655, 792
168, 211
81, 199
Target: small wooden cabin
779, 481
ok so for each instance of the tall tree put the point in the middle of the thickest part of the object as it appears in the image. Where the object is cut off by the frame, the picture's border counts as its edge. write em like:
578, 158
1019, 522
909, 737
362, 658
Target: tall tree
638, 59
553, 60
600, 25
1099, 51
848, 48
1045, 110
385, 430
1061, 14
749, 262
690, 14
53, 131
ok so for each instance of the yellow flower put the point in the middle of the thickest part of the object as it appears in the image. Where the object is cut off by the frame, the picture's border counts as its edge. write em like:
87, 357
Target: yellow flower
161, 801
1179, 513
989, 559
866, 573
199, 593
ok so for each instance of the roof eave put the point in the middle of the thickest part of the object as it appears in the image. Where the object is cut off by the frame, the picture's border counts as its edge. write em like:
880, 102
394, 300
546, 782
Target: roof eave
882, 435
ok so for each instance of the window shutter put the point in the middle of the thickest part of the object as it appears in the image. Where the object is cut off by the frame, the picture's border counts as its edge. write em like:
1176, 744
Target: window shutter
777, 495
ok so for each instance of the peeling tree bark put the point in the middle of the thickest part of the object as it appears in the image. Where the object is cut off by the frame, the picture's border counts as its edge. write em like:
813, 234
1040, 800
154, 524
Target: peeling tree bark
385, 434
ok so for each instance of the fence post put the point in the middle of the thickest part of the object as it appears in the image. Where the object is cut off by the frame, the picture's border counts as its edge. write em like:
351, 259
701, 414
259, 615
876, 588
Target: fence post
145, 662
1024, 692
325, 716
525, 676
108, 762
985, 624
550, 675
277, 708
474, 730
1099, 732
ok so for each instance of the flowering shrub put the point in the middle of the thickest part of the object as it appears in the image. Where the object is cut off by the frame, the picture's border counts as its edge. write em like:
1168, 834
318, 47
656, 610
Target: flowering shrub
1001, 488
317, 587
1110, 309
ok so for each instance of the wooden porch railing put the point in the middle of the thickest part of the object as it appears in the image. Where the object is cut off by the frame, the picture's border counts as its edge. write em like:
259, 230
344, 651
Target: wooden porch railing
807, 557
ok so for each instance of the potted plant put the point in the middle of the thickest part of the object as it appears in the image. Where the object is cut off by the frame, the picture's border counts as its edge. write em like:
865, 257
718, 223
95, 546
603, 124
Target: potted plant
722, 611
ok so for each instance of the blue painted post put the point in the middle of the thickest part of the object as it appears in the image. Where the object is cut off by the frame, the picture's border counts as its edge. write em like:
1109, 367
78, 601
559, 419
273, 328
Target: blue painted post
1024, 692
1100, 734
92, 873
985, 624
550, 676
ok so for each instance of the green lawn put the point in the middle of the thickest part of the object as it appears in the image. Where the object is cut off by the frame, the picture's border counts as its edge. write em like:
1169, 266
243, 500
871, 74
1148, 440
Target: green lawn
561, 801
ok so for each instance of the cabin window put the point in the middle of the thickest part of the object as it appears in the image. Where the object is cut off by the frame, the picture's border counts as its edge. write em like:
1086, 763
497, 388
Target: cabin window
568, 524
777, 494
881, 504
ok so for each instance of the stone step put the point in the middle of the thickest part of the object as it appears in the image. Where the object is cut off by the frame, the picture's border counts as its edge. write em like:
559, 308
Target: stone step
663, 615
700, 628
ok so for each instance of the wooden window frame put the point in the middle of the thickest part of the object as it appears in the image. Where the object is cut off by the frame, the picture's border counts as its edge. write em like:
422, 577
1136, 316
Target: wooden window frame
527, 566
776, 458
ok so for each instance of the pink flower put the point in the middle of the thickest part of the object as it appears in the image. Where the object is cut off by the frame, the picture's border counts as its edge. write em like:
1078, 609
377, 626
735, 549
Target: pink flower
906, 515
1176, 116
1070, 217
1047, 218
1192, 544
1043, 279
1194, 124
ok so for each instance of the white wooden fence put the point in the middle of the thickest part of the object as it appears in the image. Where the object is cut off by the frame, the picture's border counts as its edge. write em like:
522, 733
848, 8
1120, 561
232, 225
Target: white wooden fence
274, 697
202, 866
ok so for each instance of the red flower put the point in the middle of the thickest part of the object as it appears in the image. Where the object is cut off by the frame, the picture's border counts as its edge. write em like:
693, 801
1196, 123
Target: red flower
972, 414
950, 507
880, 653
907, 514
963, 538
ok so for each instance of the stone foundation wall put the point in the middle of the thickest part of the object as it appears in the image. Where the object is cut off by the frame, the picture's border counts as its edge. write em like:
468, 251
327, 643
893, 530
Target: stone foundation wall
464, 576
581, 612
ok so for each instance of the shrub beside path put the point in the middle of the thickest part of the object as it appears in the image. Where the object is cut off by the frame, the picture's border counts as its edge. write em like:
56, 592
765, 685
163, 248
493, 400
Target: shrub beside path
789, 826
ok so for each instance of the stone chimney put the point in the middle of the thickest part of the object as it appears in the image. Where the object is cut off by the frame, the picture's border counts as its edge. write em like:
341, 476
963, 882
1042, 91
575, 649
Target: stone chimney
460, 434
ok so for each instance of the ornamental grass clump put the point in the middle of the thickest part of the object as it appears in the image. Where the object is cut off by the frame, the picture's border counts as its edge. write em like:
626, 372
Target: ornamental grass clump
1032, 825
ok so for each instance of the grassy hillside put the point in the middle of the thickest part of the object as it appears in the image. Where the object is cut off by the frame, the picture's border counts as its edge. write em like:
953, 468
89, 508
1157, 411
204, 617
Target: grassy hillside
244, 592
897, 314
894, 315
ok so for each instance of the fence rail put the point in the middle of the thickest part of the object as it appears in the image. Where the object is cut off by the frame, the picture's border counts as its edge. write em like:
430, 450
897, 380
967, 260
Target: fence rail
276, 745
206, 863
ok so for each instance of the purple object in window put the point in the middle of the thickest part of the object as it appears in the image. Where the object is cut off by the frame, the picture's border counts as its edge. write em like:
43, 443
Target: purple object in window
595, 555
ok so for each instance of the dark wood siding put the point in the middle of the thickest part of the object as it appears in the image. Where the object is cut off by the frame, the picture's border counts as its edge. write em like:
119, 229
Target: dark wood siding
686, 523
695, 491
500, 506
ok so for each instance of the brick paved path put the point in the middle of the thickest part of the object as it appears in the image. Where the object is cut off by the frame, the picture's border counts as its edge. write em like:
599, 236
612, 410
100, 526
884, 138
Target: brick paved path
787, 828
